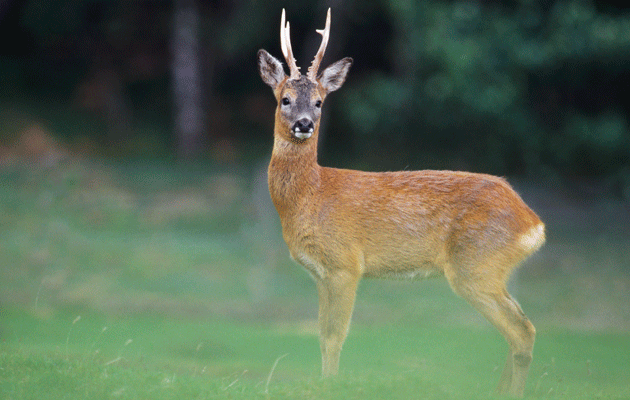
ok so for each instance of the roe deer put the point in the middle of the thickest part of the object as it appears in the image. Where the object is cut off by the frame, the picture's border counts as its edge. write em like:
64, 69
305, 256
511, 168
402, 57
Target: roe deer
342, 225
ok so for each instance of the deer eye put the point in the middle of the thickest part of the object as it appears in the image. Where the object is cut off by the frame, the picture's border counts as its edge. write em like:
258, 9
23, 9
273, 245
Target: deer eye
318, 103
286, 101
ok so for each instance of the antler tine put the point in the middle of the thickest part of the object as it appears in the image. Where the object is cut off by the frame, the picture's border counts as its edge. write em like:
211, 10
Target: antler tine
285, 44
314, 68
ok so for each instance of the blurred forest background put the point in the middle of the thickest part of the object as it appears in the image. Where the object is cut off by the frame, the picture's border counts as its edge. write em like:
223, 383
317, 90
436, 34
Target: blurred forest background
523, 87
134, 137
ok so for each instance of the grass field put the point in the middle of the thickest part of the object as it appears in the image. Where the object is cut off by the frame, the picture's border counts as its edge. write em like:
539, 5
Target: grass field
151, 281
157, 357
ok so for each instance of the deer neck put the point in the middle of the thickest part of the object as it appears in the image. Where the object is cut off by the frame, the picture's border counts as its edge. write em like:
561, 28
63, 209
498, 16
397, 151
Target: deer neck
294, 175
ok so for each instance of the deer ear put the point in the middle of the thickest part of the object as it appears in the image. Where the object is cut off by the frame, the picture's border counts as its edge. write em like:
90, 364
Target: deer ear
334, 76
270, 69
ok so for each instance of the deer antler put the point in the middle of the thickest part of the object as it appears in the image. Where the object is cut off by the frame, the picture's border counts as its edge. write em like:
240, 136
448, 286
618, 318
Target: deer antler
314, 68
285, 43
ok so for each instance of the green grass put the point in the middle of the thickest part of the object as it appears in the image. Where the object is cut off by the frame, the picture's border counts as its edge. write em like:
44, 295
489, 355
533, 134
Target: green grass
151, 356
185, 290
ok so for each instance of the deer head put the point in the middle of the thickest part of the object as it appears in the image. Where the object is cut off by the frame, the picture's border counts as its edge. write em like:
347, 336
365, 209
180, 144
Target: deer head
300, 97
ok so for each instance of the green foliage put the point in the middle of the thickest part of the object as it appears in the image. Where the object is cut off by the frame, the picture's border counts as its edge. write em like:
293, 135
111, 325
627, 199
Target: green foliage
476, 77
520, 87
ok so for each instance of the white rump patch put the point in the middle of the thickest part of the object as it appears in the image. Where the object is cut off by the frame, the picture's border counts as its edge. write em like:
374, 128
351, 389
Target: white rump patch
533, 238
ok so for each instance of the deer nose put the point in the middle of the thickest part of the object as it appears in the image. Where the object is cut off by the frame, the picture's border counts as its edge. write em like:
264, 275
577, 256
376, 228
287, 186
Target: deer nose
303, 126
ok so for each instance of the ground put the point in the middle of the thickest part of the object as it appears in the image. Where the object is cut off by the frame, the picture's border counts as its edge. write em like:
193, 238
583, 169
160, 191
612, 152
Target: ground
163, 280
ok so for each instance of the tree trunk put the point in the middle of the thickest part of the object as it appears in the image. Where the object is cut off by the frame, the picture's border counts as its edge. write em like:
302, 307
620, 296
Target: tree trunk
187, 85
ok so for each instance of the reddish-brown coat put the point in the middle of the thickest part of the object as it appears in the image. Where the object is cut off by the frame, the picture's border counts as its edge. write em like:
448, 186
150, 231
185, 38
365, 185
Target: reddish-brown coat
342, 225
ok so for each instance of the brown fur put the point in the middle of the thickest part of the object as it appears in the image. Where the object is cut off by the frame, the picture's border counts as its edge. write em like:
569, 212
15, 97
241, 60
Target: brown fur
343, 225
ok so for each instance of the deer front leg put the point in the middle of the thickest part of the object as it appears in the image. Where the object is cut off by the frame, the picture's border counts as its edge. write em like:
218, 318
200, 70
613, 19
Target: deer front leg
337, 292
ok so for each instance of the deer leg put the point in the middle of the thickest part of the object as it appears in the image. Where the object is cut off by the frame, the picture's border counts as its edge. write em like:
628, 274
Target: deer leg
508, 317
505, 314
337, 292
505, 381
521, 346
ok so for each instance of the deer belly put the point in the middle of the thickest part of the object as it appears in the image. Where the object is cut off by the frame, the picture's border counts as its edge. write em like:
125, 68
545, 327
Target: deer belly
398, 271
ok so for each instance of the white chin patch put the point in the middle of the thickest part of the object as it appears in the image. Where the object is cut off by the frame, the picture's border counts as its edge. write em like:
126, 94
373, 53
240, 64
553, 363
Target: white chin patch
302, 135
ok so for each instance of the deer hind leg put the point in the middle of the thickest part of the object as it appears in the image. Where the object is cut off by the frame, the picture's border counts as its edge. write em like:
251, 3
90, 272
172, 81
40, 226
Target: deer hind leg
337, 292
506, 315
